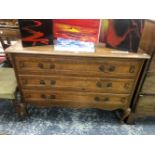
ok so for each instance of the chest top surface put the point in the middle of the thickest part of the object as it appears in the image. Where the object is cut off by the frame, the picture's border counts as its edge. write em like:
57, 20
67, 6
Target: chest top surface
99, 52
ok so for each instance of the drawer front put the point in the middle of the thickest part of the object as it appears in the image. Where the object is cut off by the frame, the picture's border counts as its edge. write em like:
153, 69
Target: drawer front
149, 84
146, 105
77, 84
77, 66
81, 99
152, 65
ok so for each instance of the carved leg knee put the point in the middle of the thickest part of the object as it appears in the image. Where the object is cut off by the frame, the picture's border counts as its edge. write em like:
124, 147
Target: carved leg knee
21, 110
130, 119
125, 115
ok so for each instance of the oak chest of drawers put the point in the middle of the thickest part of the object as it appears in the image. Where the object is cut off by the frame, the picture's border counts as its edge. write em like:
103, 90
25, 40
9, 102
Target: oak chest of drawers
144, 100
105, 79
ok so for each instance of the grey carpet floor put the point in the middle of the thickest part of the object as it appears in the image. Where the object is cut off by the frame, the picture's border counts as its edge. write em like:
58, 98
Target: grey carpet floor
64, 121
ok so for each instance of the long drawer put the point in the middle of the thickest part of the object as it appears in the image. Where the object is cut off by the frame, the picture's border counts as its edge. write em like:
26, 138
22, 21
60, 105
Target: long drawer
78, 99
149, 84
146, 105
77, 66
103, 85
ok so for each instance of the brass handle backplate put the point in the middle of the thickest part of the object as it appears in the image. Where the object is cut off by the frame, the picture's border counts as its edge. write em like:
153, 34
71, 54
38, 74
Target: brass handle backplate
52, 66
48, 97
101, 84
53, 82
40, 65
42, 82
105, 99
101, 68
111, 68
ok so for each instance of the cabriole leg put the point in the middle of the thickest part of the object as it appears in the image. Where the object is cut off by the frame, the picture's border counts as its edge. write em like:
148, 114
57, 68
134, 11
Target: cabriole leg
126, 113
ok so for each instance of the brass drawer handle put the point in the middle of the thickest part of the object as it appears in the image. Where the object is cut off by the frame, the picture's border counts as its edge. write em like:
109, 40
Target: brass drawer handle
101, 85
97, 99
40, 65
101, 68
106, 99
109, 84
52, 66
42, 82
112, 68
53, 82
48, 97
132, 69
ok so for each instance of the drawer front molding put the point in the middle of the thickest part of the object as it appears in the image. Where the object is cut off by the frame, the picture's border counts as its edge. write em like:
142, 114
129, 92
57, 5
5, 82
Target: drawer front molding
111, 85
97, 67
